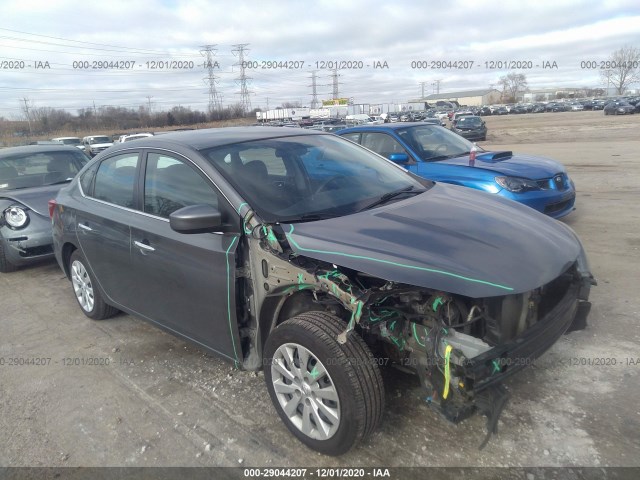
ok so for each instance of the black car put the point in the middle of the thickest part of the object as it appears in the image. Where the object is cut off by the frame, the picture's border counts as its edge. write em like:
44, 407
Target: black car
470, 127
30, 176
618, 107
302, 253
556, 107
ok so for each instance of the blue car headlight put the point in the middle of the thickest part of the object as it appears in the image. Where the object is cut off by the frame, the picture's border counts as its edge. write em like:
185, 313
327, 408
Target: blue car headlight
16, 217
516, 184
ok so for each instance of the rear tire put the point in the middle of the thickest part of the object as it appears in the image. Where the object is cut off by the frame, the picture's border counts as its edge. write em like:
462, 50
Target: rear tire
86, 290
330, 396
5, 265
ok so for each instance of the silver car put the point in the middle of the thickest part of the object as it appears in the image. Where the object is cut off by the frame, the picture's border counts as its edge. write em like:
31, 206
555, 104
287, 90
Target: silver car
30, 176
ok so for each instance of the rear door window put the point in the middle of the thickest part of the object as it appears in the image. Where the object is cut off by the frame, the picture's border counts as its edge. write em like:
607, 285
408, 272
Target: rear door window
115, 180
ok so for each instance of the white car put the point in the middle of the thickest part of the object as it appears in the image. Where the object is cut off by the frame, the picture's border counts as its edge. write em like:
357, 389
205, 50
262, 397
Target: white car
73, 141
94, 144
134, 136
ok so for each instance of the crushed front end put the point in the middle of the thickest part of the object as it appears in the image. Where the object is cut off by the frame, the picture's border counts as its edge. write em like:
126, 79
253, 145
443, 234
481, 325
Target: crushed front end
461, 347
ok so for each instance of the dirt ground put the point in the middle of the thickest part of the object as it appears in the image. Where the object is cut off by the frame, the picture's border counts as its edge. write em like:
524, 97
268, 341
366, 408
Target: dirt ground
154, 400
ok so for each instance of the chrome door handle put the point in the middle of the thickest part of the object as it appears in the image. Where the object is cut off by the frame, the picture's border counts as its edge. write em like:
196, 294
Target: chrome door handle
85, 227
144, 246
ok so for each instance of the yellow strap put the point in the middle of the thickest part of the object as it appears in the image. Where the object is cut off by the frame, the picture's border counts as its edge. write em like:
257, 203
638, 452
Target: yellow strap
447, 376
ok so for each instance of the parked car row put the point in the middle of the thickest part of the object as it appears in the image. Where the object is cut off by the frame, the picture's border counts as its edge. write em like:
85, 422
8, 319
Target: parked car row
94, 144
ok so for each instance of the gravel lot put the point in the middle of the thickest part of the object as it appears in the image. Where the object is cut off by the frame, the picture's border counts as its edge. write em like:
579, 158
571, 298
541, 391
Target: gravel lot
162, 402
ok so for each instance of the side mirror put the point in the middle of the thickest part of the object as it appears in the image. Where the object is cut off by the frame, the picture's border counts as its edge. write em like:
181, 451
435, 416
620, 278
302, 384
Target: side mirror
399, 158
196, 219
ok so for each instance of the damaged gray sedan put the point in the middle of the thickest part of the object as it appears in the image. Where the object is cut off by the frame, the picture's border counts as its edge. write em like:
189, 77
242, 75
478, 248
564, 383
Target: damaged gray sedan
307, 256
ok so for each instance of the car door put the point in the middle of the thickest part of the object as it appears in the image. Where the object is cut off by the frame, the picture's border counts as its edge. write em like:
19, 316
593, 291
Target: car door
184, 282
102, 224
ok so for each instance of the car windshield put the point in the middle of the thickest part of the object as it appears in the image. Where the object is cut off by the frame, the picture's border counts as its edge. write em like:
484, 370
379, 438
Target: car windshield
94, 140
308, 177
432, 143
469, 122
26, 170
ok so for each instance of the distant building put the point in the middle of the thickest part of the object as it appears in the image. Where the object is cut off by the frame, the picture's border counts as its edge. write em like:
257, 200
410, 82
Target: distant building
470, 98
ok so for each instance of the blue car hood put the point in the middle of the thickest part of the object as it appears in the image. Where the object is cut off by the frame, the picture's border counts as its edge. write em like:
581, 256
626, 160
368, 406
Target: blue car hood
506, 163
450, 238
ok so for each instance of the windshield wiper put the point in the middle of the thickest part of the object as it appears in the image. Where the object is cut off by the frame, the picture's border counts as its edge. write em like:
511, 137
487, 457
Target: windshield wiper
388, 196
445, 157
309, 217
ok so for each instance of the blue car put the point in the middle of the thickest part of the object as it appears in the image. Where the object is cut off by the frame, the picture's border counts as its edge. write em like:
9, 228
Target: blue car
434, 152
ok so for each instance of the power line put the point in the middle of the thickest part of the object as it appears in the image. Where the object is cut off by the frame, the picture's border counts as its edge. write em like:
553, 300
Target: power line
145, 51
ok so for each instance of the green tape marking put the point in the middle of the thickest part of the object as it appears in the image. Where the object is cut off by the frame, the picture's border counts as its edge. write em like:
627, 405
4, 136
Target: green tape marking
415, 334
233, 341
388, 262
437, 303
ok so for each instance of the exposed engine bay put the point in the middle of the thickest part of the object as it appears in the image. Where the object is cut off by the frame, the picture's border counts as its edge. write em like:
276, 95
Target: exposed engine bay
460, 347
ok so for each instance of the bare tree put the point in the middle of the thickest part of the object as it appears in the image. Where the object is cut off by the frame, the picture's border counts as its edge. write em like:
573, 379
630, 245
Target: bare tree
291, 105
624, 68
512, 84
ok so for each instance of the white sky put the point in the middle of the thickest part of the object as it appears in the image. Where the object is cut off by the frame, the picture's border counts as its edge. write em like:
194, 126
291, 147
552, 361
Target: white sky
65, 31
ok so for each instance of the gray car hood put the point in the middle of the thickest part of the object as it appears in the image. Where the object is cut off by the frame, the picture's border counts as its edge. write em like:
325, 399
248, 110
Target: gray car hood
449, 238
36, 198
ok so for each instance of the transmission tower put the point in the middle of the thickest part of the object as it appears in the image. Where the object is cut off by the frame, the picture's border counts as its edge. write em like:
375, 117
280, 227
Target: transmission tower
245, 101
422, 84
334, 78
314, 95
215, 102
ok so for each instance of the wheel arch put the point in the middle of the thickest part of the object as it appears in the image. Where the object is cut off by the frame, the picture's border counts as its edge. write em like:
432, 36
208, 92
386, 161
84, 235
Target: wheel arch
278, 308
67, 250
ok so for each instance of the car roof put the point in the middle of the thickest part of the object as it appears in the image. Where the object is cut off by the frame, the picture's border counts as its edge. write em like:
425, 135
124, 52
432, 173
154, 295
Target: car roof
214, 137
390, 126
37, 149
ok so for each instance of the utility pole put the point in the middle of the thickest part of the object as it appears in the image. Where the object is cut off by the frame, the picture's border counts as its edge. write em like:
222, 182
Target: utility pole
436, 86
267, 103
26, 111
149, 97
314, 94
95, 113
215, 102
245, 101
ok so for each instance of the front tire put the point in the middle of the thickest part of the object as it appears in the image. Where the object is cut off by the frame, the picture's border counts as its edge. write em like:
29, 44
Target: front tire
86, 290
329, 395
